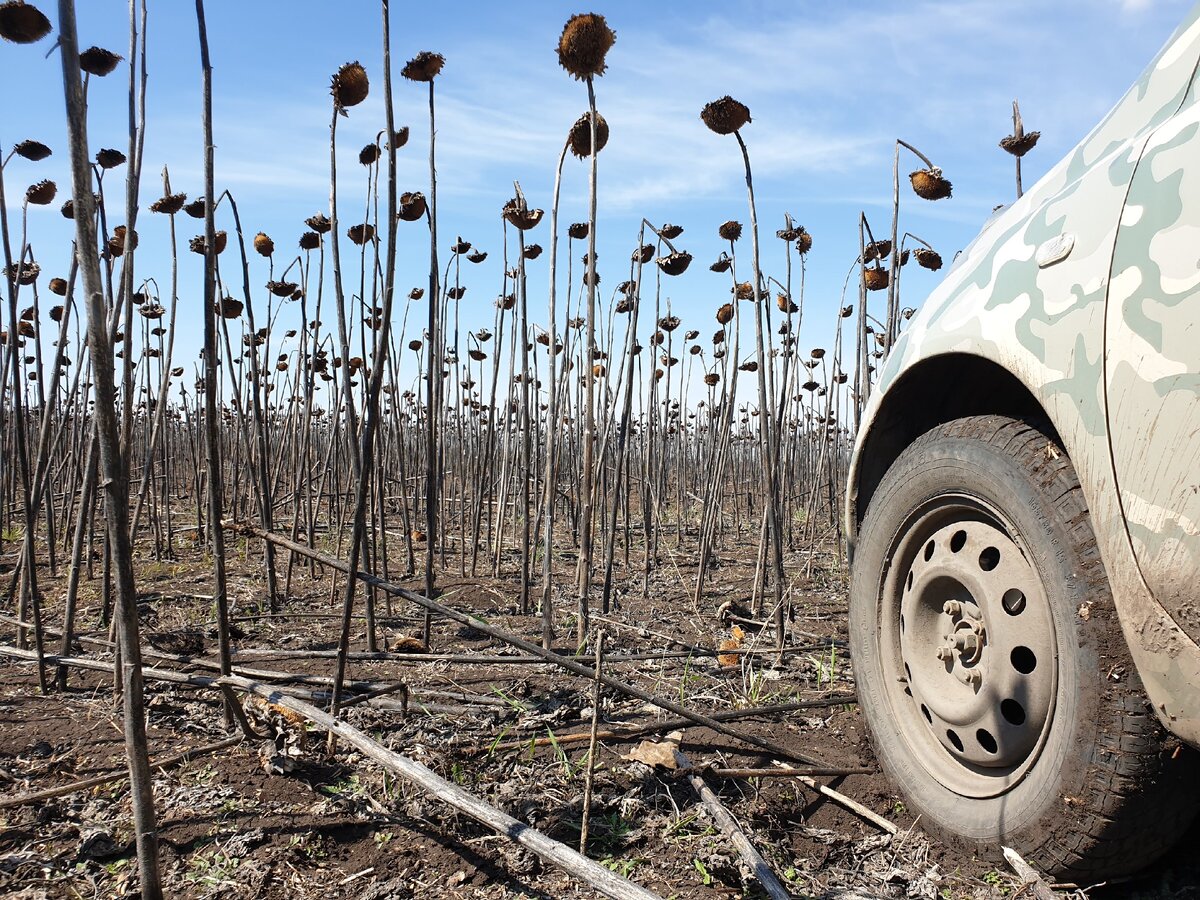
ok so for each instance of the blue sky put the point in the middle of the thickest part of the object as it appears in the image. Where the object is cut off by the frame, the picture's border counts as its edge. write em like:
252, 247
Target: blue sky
829, 86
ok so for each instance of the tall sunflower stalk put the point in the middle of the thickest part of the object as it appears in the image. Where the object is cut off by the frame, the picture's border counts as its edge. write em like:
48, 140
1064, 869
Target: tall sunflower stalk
424, 67
631, 302
1019, 143
378, 366
349, 88
550, 482
518, 214
19, 271
728, 116
114, 464
210, 248
169, 205
582, 48
928, 184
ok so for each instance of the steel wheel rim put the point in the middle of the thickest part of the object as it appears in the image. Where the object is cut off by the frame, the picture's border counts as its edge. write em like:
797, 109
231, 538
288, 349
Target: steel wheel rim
968, 647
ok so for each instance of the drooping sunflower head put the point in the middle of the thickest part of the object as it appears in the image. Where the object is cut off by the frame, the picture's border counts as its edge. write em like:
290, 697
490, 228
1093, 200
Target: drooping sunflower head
350, 85
34, 151
930, 184
98, 61
580, 137
22, 23
584, 44
425, 66
725, 116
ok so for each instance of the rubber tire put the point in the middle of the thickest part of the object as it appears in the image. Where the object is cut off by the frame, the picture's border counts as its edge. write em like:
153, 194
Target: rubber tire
1111, 789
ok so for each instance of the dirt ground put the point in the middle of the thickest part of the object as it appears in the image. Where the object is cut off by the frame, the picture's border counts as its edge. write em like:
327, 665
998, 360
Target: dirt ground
281, 819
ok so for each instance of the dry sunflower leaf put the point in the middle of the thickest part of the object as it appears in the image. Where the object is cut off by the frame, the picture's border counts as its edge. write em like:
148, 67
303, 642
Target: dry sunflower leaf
664, 755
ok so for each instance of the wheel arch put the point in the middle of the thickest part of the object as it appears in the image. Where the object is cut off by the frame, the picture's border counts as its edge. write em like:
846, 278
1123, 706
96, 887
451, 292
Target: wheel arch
934, 391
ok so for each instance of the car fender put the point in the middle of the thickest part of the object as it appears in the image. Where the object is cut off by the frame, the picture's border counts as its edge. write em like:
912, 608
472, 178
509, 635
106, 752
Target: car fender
1028, 299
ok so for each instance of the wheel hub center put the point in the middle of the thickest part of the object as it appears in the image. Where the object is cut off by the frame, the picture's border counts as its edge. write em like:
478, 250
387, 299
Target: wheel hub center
977, 657
963, 641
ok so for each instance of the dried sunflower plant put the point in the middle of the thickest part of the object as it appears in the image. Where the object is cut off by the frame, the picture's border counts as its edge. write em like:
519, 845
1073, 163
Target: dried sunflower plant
1019, 143
306, 467
727, 116
928, 183
424, 69
583, 49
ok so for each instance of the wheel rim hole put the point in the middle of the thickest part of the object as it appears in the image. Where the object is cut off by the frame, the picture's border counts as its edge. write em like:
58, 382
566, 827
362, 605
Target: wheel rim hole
1013, 602
1023, 660
908, 586
907, 672
902, 629
989, 559
929, 551
925, 712
986, 741
958, 541
954, 739
1013, 712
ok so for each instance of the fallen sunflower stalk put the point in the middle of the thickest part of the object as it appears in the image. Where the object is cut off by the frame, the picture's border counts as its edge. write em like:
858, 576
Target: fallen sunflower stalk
609, 883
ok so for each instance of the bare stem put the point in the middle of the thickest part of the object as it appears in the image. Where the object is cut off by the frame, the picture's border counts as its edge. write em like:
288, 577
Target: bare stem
114, 464
589, 412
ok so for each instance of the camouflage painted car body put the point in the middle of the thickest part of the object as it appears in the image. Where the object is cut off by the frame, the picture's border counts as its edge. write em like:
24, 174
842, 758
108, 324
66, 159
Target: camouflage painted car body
1087, 291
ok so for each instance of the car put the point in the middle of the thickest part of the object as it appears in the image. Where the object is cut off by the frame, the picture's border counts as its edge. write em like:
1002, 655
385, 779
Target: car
1023, 510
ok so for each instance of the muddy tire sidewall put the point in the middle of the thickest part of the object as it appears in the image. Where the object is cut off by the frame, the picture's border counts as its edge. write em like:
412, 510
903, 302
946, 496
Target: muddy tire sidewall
1039, 806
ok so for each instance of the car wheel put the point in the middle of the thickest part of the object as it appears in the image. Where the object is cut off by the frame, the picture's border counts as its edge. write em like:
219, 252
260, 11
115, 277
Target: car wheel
990, 663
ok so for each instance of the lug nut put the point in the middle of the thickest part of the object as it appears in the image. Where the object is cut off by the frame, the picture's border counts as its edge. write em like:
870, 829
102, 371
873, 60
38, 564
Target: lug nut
952, 608
945, 653
974, 679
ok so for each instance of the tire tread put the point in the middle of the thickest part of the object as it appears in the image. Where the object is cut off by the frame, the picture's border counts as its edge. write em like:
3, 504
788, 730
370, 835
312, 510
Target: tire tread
1142, 782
